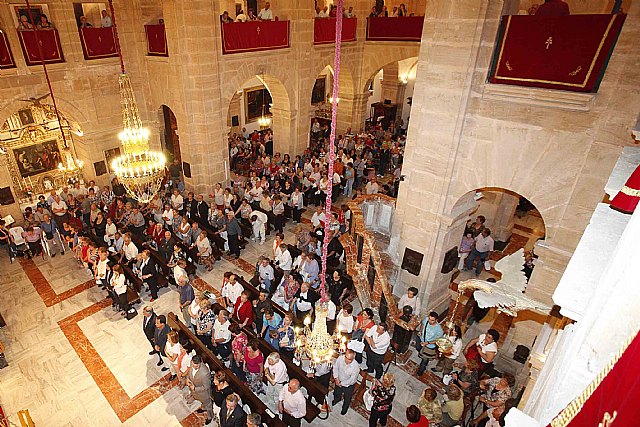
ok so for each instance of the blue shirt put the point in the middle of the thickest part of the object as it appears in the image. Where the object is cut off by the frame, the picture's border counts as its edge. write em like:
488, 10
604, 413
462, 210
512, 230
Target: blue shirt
186, 293
431, 332
273, 323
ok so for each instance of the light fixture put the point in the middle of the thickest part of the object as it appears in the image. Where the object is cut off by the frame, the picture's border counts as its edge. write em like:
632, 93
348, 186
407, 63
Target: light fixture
331, 100
139, 169
264, 121
316, 343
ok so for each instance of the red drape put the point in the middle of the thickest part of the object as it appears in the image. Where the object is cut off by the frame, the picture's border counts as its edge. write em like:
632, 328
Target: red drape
156, 40
238, 37
324, 30
98, 43
6, 57
555, 52
618, 395
49, 41
405, 28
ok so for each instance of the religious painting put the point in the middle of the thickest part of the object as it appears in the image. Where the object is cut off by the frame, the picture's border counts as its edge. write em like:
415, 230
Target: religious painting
109, 156
100, 167
319, 90
26, 117
38, 158
450, 260
412, 261
257, 100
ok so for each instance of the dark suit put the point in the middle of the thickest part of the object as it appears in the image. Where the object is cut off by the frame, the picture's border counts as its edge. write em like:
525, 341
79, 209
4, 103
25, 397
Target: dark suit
201, 212
149, 268
238, 418
160, 338
190, 207
166, 248
149, 327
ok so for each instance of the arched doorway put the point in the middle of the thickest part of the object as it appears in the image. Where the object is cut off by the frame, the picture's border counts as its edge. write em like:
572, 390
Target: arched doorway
170, 140
390, 91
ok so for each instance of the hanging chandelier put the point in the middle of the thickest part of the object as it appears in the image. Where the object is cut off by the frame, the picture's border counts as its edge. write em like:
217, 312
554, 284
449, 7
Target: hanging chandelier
139, 169
316, 343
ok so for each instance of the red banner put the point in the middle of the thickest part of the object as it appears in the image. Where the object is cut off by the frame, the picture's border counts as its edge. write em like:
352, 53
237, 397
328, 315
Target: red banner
49, 43
555, 52
324, 30
6, 57
403, 28
98, 43
156, 40
252, 36
612, 399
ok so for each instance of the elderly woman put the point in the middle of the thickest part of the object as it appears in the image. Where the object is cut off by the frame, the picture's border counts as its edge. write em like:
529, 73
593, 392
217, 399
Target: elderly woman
286, 336
303, 237
496, 390
253, 367
205, 253
429, 406
204, 325
184, 230
383, 393
453, 408
467, 379
194, 308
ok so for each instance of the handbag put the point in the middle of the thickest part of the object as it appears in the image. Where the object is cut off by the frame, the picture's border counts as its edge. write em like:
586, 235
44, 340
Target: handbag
427, 353
367, 399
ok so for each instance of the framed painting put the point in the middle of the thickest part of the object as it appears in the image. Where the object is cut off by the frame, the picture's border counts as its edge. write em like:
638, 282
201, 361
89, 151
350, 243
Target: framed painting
109, 155
26, 117
37, 158
318, 94
255, 99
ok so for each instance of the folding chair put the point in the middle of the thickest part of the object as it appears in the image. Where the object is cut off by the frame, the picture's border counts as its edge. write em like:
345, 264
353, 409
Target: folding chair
21, 246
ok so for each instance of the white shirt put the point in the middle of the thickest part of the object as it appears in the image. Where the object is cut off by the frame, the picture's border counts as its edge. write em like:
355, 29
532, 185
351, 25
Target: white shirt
172, 350
59, 205
371, 188
322, 14
265, 14
484, 244
168, 217
110, 230
294, 403
345, 323
101, 269
331, 309
301, 303
457, 348
177, 201
118, 284
266, 272
278, 371
315, 219
380, 342
178, 272
221, 331
493, 347
241, 18
130, 251
185, 363
194, 309
284, 260
414, 303
261, 219
106, 21
232, 292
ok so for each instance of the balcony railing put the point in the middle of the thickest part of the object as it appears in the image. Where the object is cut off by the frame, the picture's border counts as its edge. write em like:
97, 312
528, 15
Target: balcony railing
98, 43
6, 56
156, 40
324, 30
555, 52
403, 29
253, 36
46, 41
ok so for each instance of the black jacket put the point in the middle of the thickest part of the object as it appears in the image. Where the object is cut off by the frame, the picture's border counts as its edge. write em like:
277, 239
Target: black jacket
150, 268
238, 418
150, 328
201, 211
160, 338
166, 248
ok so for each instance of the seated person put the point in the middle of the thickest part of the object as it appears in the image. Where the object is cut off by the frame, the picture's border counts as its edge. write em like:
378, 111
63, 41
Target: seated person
33, 237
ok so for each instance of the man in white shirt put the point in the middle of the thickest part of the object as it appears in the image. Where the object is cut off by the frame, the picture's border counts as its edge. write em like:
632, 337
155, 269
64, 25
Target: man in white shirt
322, 13
129, 249
275, 371
350, 14
371, 187
318, 218
265, 273
105, 20
177, 202
266, 14
292, 405
331, 312
258, 221
231, 291
283, 259
482, 249
411, 299
221, 336
378, 339
59, 209
345, 374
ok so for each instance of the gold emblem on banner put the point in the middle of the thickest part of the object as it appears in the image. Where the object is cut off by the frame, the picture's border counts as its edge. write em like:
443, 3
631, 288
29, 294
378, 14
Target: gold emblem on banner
576, 71
608, 419
509, 67
258, 30
549, 42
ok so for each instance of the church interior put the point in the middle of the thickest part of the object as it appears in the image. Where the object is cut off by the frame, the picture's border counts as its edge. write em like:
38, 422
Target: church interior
285, 213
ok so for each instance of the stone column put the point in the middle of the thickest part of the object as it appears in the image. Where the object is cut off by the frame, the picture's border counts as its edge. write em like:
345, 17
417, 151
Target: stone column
360, 111
283, 123
502, 222
390, 83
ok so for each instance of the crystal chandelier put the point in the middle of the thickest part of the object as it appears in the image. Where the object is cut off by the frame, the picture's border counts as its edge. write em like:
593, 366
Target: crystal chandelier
139, 169
317, 344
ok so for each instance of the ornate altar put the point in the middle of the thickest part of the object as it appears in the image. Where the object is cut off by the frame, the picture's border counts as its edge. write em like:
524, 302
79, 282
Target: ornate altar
35, 154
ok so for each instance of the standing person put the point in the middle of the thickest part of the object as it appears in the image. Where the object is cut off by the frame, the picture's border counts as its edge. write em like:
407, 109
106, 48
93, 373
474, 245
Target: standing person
204, 326
231, 291
465, 248
231, 414
266, 13
172, 350
221, 335
160, 339
254, 420
292, 405
105, 20
411, 299
234, 234
275, 372
149, 326
297, 204
118, 283
149, 273
278, 214
345, 374
258, 223
430, 331
453, 407
383, 393
186, 297
243, 310
199, 383
253, 367
378, 339
482, 248
50, 230
284, 260
445, 362
483, 349
430, 407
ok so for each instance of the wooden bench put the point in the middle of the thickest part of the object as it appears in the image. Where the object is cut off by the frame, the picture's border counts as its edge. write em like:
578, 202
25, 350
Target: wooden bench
245, 393
314, 389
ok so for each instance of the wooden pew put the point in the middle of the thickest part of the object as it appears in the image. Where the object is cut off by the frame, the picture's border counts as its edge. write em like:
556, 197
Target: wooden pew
215, 364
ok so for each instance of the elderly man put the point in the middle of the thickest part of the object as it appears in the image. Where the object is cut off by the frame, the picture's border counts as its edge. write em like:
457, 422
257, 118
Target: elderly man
50, 230
201, 212
221, 336
185, 298
199, 383
258, 221
234, 234
345, 374
254, 420
275, 372
166, 246
231, 414
292, 404
129, 250
59, 209
265, 273
378, 339
136, 221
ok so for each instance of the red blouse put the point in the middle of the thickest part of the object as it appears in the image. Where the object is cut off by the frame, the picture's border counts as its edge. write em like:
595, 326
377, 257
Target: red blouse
243, 311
